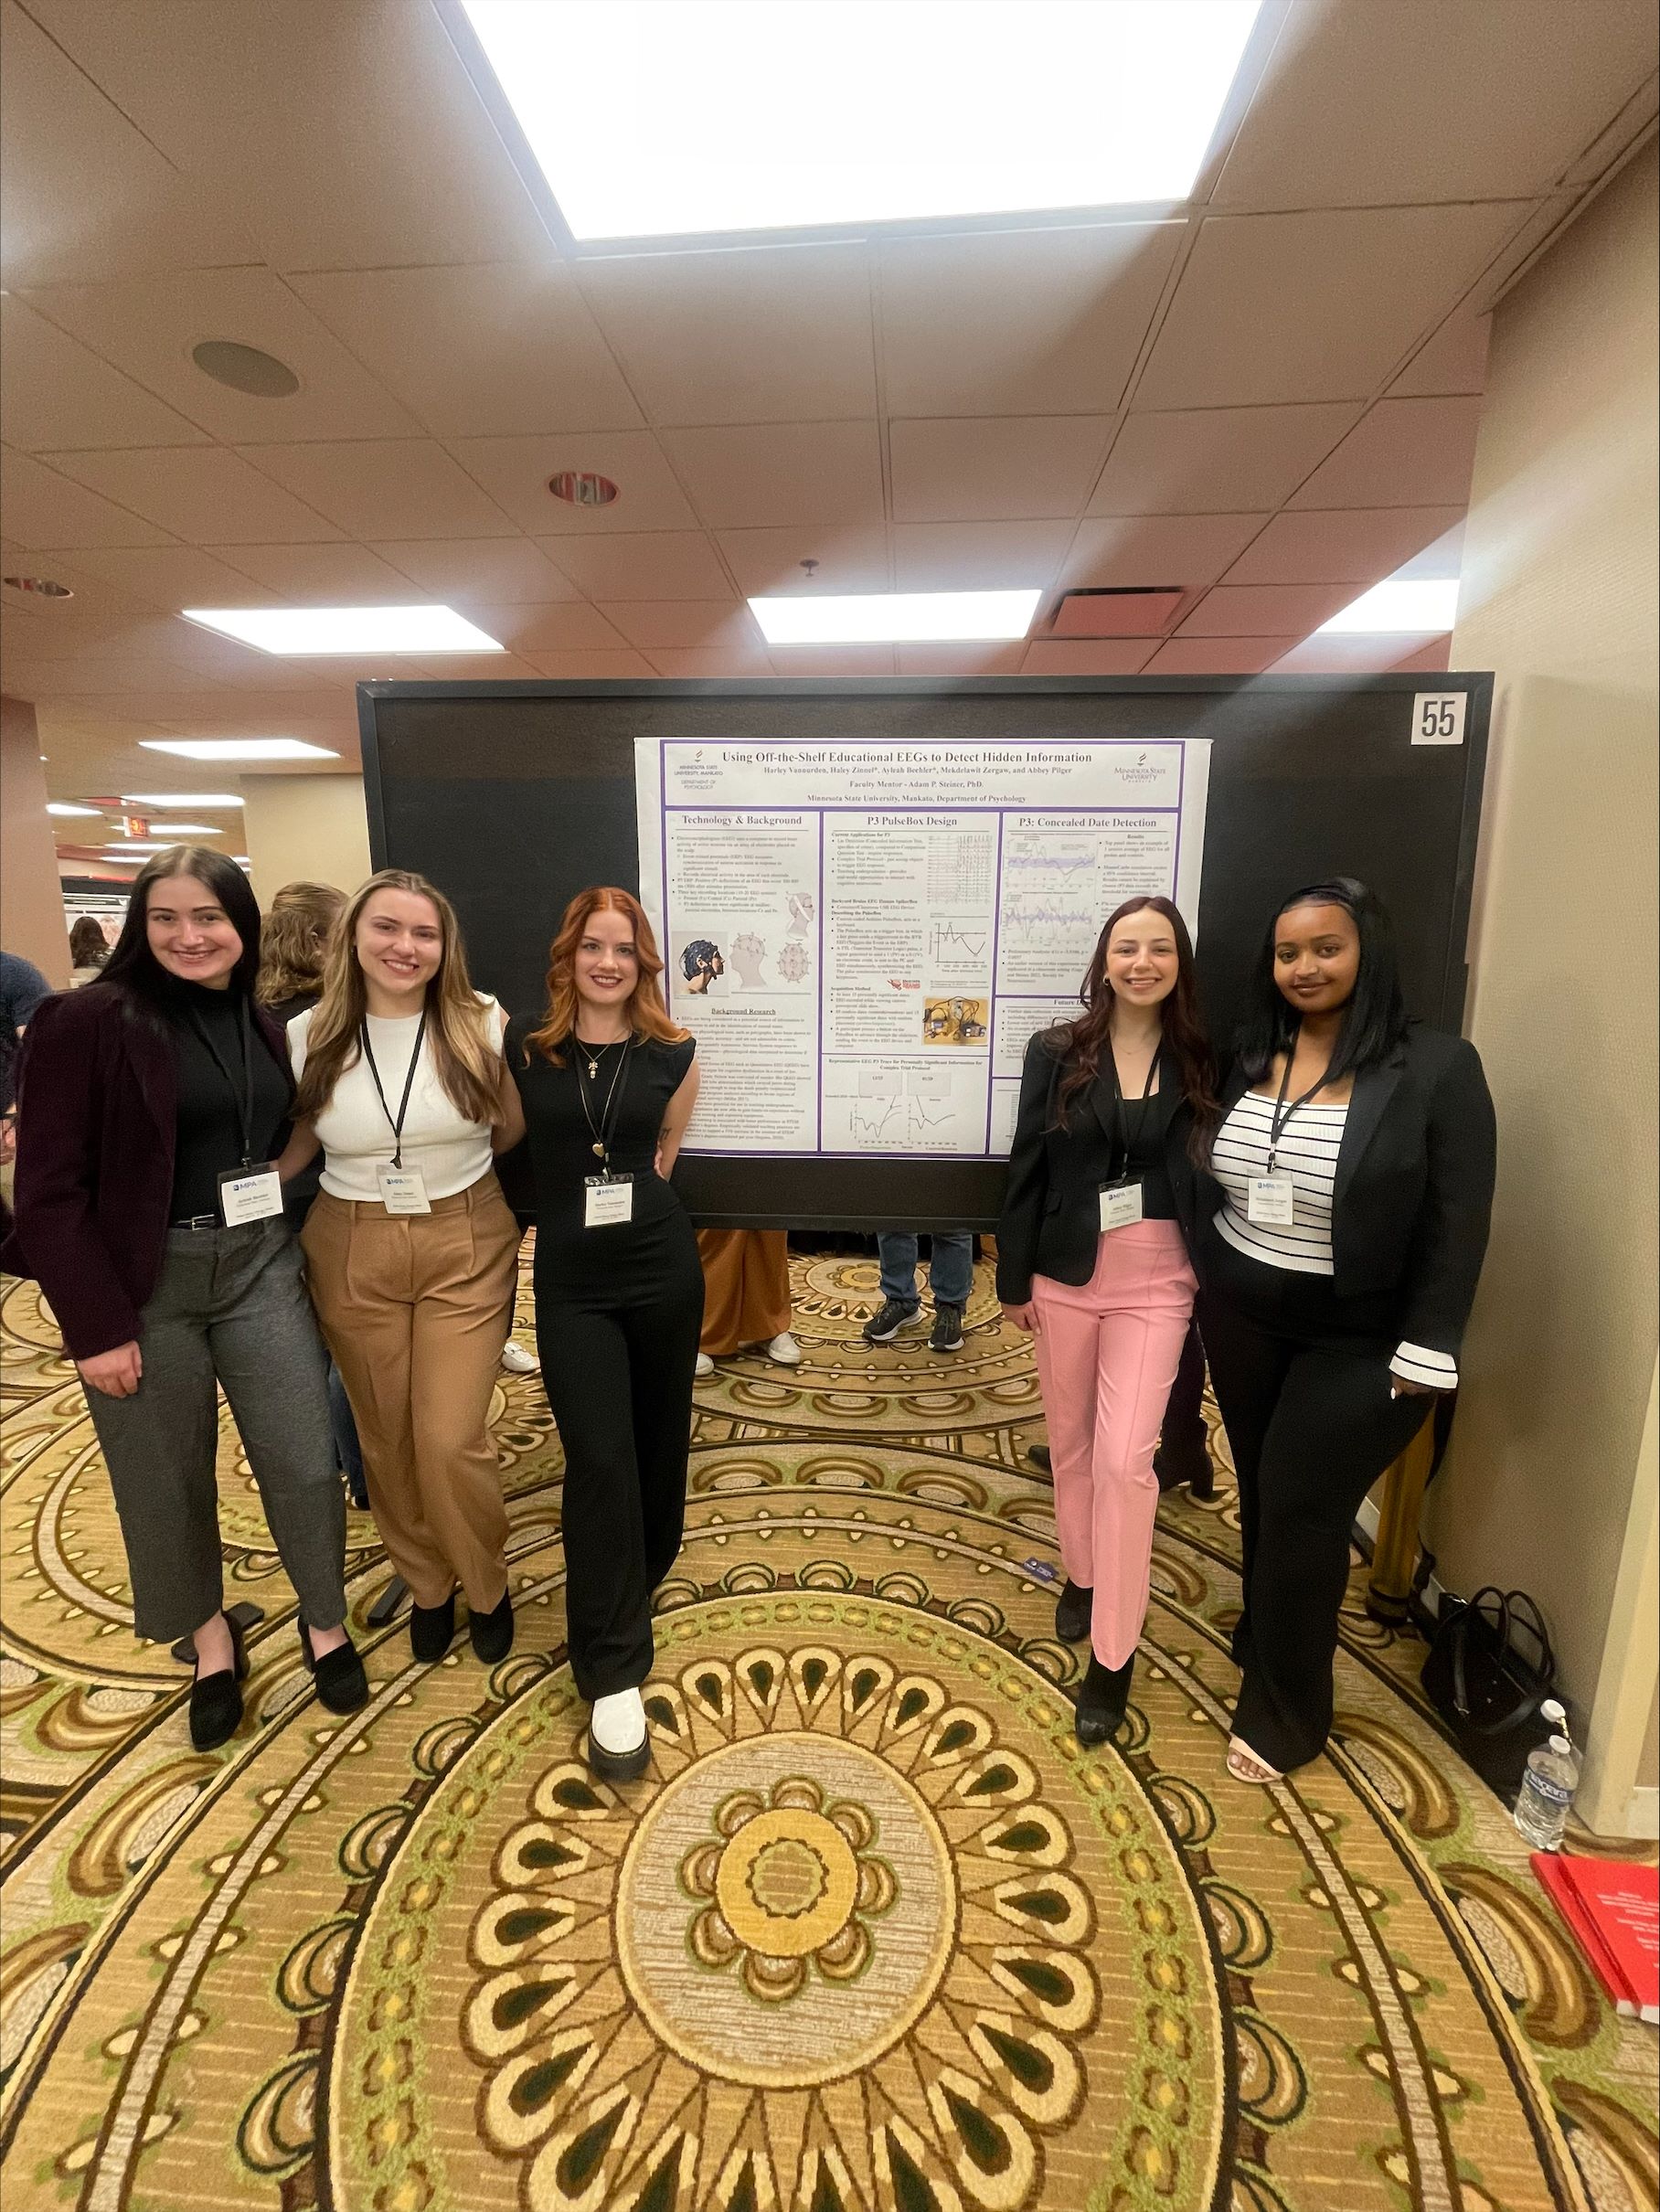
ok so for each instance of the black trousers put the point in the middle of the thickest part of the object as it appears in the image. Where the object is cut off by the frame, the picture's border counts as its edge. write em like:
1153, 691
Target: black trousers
1303, 1387
617, 1356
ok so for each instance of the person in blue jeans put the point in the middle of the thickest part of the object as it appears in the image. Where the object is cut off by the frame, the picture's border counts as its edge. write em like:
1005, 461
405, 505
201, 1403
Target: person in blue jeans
951, 1275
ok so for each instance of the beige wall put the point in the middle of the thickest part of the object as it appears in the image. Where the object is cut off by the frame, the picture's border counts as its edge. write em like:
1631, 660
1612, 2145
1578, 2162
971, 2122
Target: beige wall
32, 921
306, 828
1558, 598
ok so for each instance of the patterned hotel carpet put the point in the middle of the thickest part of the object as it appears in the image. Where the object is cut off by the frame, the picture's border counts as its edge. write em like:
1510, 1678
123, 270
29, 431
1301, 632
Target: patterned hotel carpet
874, 1935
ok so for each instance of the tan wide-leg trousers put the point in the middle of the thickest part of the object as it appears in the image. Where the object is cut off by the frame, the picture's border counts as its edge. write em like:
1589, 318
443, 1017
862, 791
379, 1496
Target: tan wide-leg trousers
416, 1309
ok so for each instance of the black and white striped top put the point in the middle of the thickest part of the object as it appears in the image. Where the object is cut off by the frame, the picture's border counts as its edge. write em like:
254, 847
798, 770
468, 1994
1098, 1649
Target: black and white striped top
1308, 1148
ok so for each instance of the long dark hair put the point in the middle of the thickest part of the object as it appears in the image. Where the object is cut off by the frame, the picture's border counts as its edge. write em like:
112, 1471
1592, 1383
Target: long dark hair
135, 967
1376, 1020
1082, 1042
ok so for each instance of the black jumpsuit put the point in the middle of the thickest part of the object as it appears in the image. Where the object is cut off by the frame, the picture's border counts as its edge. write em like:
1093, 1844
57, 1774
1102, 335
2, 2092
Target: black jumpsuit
618, 1313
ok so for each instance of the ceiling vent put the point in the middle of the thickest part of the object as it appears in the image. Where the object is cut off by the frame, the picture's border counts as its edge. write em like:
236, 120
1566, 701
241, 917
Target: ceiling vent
1130, 611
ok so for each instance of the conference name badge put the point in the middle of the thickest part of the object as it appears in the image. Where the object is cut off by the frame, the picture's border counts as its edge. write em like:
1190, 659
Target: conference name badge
1271, 1201
250, 1194
609, 1200
403, 1190
1121, 1205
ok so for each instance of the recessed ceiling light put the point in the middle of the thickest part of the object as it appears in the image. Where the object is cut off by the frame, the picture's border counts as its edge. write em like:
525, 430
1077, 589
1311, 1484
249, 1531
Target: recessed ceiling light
345, 629
238, 749
723, 115
895, 617
245, 368
62, 807
181, 798
1429, 606
171, 831
40, 587
582, 488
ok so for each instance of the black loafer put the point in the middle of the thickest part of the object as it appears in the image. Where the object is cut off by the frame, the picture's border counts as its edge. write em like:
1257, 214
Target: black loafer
216, 1699
1103, 1700
1072, 1612
432, 1629
1039, 1456
492, 1632
342, 1685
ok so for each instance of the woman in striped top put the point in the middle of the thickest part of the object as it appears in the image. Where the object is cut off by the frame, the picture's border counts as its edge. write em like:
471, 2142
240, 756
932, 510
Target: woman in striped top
1355, 1162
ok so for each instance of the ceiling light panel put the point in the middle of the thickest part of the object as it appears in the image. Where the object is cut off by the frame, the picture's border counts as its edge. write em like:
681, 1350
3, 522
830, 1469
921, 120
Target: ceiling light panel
742, 115
208, 798
239, 749
1428, 607
895, 617
319, 630
61, 806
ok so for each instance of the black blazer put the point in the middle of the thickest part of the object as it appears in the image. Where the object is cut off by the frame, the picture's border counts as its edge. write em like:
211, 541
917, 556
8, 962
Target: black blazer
1050, 1223
1413, 1193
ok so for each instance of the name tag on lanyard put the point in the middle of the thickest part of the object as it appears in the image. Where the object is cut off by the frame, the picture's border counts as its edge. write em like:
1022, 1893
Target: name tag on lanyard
607, 1199
403, 1190
253, 1193
1271, 1201
1121, 1205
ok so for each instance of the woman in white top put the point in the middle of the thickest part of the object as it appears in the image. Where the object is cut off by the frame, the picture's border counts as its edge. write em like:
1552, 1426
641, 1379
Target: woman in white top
411, 1248
1355, 1163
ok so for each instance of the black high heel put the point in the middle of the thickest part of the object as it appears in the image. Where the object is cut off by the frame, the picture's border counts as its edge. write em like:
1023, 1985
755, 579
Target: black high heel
1104, 1698
342, 1685
216, 1699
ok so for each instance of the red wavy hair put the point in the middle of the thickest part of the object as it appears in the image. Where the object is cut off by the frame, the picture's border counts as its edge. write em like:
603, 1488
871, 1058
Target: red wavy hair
647, 1016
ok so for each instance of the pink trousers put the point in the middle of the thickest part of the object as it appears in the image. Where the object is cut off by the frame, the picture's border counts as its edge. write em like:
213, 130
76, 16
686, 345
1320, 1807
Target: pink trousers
1107, 1354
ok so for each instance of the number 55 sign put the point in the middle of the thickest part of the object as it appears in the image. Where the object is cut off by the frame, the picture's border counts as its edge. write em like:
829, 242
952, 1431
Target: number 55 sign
1438, 718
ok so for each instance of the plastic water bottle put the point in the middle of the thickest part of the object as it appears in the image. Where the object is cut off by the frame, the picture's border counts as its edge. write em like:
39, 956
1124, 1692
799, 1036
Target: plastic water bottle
1548, 1784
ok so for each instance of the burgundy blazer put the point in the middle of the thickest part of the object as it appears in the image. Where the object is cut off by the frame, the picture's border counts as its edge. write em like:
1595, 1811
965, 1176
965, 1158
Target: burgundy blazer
97, 1124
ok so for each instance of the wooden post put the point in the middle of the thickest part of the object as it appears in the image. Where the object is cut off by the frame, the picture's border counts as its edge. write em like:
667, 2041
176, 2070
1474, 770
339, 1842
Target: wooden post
1399, 1510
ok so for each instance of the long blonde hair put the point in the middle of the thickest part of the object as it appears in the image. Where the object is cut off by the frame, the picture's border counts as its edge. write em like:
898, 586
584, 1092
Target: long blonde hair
462, 1058
293, 943
646, 1014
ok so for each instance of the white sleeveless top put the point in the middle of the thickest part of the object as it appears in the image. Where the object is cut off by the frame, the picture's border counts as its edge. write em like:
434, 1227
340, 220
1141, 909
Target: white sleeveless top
451, 1152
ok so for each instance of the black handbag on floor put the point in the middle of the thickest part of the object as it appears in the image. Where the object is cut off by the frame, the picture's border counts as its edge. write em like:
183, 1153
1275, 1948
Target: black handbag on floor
1488, 1670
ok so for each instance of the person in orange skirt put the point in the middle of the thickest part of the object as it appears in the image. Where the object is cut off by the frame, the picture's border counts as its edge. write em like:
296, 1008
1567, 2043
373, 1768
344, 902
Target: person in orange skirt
746, 1295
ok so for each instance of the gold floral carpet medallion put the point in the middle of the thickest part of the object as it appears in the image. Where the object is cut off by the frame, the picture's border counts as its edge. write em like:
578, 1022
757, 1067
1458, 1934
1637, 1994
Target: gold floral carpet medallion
872, 1934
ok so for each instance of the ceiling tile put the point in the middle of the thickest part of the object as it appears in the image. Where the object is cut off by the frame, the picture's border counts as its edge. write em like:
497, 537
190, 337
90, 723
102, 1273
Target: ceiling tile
321, 576
1205, 460
702, 663
977, 557
1402, 453
501, 571
392, 487
202, 493
1105, 657
171, 577
1191, 550
1455, 359
650, 564
55, 393
1357, 545
515, 472
574, 666
503, 350
961, 660
762, 474
1265, 610
1396, 100
1352, 655
772, 335
682, 623
1001, 467
569, 625
1312, 306
1216, 655
769, 561
44, 508
1443, 557
1020, 323
811, 663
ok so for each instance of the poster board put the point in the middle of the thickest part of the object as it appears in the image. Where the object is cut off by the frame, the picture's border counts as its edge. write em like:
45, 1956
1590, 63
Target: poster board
514, 796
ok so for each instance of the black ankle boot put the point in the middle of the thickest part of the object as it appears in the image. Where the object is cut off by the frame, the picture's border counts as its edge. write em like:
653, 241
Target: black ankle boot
342, 1685
1072, 1612
1173, 1467
216, 1699
492, 1632
432, 1629
1101, 1700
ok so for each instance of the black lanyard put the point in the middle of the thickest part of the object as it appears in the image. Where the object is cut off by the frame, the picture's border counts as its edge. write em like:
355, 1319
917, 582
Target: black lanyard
1120, 1119
409, 1083
606, 1128
1280, 1120
241, 1093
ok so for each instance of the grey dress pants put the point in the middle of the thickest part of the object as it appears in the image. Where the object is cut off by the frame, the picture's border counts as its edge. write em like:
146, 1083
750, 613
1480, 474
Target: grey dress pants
229, 1308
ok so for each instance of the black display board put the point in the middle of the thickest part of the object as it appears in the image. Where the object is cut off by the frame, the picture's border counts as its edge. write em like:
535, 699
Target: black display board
514, 796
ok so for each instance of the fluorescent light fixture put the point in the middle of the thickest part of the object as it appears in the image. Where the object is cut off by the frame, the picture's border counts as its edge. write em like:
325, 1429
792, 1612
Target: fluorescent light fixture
181, 798
346, 629
62, 807
882, 618
1428, 607
238, 749
171, 831
653, 118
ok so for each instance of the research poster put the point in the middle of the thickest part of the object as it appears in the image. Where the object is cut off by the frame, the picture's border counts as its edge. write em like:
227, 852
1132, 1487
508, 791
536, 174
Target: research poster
863, 936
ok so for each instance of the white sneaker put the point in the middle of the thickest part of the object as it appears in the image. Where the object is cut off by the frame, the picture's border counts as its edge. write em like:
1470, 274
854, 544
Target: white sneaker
784, 1349
706, 1366
516, 1360
617, 1745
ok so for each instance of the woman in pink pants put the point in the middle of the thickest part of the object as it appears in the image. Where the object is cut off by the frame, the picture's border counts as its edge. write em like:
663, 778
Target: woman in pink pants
1104, 1187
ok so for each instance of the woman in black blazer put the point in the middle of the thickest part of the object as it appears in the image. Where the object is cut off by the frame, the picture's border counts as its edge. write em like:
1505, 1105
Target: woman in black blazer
1355, 1163
1093, 1257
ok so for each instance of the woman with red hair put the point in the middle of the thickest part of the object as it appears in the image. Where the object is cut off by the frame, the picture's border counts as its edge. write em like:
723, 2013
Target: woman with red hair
608, 1084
